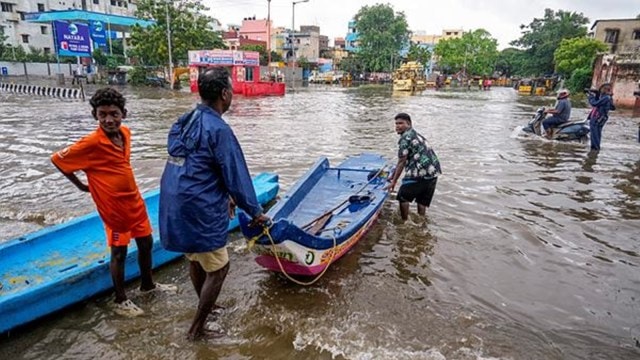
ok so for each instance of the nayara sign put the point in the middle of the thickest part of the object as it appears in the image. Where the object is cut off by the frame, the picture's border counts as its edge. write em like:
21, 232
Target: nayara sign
72, 39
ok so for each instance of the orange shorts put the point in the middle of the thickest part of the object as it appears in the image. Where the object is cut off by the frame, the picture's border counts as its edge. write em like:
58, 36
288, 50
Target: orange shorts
115, 238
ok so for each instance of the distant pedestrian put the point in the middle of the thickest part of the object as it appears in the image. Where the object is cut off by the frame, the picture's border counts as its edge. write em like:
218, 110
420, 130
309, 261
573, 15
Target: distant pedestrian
421, 164
601, 103
204, 177
104, 156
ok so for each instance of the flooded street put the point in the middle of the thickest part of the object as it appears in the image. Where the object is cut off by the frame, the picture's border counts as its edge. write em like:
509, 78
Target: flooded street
531, 249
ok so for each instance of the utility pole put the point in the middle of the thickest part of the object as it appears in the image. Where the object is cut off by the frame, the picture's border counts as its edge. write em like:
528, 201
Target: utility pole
269, 36
169, 43
293, 30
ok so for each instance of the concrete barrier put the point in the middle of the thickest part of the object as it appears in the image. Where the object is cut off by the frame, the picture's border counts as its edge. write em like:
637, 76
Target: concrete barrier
48, 91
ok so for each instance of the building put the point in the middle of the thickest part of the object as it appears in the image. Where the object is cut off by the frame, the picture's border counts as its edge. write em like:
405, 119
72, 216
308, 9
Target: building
339, 43
26, 34
423, 38
621, 66
255, 29
351, 40
233, 40
305, 43
621, 35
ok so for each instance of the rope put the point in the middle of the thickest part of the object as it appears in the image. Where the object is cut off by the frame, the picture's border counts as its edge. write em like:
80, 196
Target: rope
251, 243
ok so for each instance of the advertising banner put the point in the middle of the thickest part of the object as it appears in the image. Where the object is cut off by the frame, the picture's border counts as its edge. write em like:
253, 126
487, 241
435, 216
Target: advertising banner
72, 39
99, 35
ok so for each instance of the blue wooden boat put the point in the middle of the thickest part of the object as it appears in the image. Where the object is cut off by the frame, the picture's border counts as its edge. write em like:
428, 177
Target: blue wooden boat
325, 213
64, 264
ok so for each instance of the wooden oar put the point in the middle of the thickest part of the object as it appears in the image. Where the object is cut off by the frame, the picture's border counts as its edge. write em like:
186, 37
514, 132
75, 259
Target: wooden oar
330, 212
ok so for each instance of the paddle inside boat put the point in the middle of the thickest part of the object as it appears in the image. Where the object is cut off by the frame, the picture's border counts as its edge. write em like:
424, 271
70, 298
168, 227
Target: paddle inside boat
64, 264
325, 213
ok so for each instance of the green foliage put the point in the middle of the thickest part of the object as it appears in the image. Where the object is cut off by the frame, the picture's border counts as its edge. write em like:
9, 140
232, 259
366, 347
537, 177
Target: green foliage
138, 75
419, 54
264, 58
476, 51
576, 53
38, 55
351, 64
190, 30
580, 79
3, 46
382, 34
542, 36
303, 62
99, 57
510, 62
113, 61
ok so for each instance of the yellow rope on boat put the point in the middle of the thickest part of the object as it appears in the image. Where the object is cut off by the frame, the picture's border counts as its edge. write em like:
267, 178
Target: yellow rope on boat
251, 243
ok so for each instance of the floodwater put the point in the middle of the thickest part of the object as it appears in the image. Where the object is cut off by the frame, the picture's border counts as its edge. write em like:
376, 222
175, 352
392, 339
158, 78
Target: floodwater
529, 251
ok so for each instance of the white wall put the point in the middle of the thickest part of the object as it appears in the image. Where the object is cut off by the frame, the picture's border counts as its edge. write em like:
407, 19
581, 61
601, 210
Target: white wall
36, 69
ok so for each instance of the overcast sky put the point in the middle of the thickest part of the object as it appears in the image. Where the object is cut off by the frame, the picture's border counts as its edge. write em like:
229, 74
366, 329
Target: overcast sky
502, 18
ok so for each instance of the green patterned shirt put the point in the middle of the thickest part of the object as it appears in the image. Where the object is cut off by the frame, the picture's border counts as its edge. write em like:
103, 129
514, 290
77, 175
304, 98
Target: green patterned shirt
422, 161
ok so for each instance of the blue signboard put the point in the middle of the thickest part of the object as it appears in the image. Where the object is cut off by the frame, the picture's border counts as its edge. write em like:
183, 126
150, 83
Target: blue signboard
98, 34
5, 71
72, 39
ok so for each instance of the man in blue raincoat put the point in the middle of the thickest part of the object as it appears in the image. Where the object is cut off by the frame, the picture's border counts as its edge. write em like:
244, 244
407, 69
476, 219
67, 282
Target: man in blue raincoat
204, 177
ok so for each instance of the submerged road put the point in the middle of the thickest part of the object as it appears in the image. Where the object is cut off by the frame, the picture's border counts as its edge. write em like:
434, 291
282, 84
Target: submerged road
531, 249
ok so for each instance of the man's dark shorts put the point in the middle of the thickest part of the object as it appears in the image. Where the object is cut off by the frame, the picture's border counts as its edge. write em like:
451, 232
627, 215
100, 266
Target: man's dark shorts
420, 190
552, 122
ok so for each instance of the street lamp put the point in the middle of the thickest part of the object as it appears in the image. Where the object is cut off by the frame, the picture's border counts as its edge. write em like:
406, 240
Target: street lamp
293, 30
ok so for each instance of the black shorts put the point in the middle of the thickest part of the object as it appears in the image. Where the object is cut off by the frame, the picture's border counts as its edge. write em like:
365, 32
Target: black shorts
421, 191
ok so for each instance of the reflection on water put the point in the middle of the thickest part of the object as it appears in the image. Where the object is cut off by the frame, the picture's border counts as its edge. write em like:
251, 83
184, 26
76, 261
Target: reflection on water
530, 249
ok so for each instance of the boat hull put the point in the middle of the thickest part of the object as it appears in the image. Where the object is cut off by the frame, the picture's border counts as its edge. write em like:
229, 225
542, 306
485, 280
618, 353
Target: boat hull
300, 260
61, 265
298, 243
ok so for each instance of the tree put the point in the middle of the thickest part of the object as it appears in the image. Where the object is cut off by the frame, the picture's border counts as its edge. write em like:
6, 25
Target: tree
419, 54
351, 64
576, 53
510, 62
190, 30
580, 79
3, 46
264, 58
382, 34
475, 52
542, 37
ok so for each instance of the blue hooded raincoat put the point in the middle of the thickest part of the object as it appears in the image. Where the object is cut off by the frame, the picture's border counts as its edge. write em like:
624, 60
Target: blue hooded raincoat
205, 166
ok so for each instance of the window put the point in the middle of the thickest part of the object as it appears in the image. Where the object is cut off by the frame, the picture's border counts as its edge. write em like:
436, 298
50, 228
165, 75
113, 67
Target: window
46, 51
44, 30
97, 2
21, 15
6, 7
611, 35
41, 7
636, 34
448, 32
25, 38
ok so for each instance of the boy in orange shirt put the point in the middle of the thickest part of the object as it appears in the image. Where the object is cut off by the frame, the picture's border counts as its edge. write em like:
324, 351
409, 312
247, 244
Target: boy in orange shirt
104, 156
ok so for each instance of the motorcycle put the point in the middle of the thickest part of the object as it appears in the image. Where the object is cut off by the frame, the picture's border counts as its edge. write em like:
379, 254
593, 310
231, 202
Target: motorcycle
573, 130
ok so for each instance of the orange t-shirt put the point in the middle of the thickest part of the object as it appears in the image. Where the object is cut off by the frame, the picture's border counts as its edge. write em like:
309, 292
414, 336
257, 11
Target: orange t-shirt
111, 181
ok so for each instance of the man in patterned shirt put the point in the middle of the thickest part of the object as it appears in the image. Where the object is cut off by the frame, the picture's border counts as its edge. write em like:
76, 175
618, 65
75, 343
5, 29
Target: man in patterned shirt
422, 168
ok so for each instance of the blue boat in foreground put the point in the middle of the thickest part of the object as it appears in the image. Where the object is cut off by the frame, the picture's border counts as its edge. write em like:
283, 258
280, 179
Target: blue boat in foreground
64, 264
327, 211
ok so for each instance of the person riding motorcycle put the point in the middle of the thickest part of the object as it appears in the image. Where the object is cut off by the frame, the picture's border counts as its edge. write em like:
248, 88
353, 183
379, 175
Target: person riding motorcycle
560, 114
